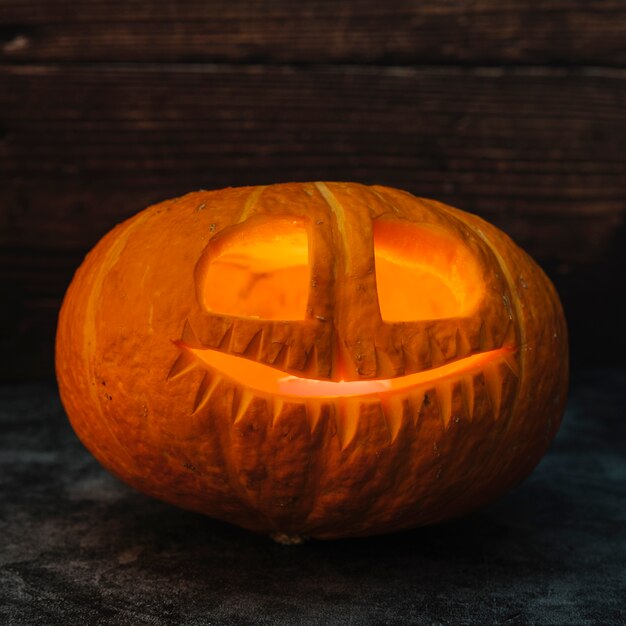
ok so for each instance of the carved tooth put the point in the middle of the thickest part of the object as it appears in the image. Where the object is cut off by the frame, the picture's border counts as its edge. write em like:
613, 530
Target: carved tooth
314, 412
385, 367
463, 347
493, 383
393, 411
189, 337
253, 349
244, 333
209, 332
416, 399
205, 390
226, 340
281, 357
311, 365
416, 351
444, 399
347, 421
246, 399
402, 358
277, 409
435, 351
467, 387
185, 362
296, 357
237, 398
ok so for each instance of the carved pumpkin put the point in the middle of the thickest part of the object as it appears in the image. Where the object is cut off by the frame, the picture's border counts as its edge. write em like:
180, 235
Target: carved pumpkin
322, 359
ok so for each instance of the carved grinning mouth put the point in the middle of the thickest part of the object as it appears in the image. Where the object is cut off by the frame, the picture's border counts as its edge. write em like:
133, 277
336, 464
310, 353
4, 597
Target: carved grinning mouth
270, 380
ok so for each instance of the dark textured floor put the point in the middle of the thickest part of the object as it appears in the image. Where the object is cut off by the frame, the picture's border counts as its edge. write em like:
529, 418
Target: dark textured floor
78, 547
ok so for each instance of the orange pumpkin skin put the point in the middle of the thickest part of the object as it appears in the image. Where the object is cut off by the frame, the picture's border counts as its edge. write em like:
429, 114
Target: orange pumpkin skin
469, 402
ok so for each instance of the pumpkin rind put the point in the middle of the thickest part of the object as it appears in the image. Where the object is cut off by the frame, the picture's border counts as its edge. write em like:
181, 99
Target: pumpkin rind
161, 420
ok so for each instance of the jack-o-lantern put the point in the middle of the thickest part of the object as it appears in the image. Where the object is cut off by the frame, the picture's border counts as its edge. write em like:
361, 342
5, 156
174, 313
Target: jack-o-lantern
321, 359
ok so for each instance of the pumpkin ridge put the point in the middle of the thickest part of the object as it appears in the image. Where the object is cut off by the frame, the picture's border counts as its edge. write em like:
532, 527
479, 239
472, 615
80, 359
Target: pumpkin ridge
251, 201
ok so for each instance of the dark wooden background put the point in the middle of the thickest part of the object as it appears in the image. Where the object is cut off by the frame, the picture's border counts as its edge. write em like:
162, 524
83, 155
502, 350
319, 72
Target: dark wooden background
514, 110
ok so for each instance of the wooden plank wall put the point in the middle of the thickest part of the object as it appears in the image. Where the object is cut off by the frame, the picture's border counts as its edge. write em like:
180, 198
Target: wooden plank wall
508, 109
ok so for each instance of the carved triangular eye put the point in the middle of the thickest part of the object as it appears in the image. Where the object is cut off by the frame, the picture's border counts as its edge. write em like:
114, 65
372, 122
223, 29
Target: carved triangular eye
423, 272
258, 270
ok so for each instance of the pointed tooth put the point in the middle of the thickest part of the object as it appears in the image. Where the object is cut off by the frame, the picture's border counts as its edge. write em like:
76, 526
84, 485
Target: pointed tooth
416, 351
246, 399
297, 356
314, 413
444, 399
511, 360
185, 362
435, 351
385, 367
277, 409
253, 349
493, 383
310, 367
280, 359
208, 330
200, 393
463, 347
244, 332
226, 340
393, 411
347, 421
467, 386
236, 401
416, 399
189, 337
205, 390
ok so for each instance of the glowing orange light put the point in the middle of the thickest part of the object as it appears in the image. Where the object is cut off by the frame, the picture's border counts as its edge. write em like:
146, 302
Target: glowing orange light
422, 272
265, 379
261, 271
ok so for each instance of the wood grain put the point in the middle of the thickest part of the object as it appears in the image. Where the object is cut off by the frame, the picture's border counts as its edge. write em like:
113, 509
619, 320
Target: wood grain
348, 31
95, 144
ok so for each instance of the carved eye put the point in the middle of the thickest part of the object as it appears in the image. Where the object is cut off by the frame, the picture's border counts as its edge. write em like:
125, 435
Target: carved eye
258, 270
423, 272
